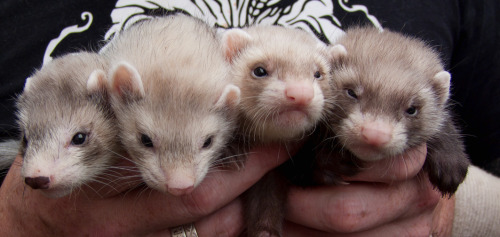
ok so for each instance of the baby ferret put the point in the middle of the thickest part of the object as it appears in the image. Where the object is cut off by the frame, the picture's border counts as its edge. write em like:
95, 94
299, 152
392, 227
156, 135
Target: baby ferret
68, 128
392, 94
284, 78
173, 99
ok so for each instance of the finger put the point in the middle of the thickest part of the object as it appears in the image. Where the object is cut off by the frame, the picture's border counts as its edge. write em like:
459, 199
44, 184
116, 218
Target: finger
360, 206
124, 175
218, 189
228, 221
416, 225
121, 176
397, 168
442, 218
135, 211
259, 162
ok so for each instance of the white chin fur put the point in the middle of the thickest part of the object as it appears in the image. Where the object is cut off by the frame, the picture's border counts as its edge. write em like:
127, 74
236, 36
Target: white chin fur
367, 154
156, 179
56, 192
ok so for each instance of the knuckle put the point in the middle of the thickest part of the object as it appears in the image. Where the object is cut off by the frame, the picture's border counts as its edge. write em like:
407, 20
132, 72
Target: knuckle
344, 215
199, 203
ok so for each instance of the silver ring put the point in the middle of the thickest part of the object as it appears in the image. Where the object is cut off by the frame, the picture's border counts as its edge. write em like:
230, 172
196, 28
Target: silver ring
186, 230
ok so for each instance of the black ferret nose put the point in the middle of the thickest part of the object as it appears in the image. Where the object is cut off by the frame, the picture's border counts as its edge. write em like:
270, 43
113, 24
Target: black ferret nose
38, 182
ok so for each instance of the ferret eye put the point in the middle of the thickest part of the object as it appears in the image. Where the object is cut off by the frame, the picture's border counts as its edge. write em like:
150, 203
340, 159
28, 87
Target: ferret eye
208, 142
351, 93
259, 72
78, 139
146, 141
317, 75
412, 111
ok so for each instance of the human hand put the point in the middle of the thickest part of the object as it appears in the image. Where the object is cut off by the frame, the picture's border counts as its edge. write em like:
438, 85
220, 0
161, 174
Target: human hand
133, 211
389, 198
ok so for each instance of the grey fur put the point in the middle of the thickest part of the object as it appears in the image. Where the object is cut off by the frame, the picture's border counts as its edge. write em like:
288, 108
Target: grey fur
177, 100
389, 73
55, 105
8, 152
290, 56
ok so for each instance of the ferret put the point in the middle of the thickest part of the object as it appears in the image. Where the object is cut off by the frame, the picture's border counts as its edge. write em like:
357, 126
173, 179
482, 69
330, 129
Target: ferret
8, 152
284, 78
283, 75
392, 94
173, 98
67, 126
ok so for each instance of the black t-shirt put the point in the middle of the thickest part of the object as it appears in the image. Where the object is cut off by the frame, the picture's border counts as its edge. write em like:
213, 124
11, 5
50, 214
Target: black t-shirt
464, 32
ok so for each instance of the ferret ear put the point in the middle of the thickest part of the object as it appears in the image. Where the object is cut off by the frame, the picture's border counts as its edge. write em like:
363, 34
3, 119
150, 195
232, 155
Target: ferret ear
233, 41
443, 80
97, 82
126, 83
27, 84
230, 97
337, 51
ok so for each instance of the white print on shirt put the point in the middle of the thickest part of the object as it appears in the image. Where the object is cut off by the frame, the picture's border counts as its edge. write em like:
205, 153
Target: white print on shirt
86, 16
315, 17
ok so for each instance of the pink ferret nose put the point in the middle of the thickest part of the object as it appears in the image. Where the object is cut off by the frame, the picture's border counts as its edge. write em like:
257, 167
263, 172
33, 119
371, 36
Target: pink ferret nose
180, 182
300, 93
376, 133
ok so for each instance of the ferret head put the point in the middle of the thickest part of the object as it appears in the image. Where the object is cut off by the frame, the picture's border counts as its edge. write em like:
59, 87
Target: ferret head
66, 123
175, 127
283, 74
173, 99
392, 92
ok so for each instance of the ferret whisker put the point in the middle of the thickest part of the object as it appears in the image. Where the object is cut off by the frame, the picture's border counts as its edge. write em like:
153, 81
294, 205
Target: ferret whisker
117, 169
121, 156
141, 185
91, 188
389, 166
124, 177
111, 175
217, 169
221, 161
288, 151
141, 192
263, 118
406, 166
104, 184
232, 156
150, 192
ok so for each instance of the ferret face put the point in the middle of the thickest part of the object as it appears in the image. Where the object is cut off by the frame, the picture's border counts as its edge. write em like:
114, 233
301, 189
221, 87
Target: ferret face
69, 148
68, 133
376, 119
282, 74
173, 99
174, 148
173, 130
387, 102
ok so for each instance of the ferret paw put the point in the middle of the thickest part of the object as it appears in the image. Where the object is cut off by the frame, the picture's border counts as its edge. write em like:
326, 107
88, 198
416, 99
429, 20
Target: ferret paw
447, 176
